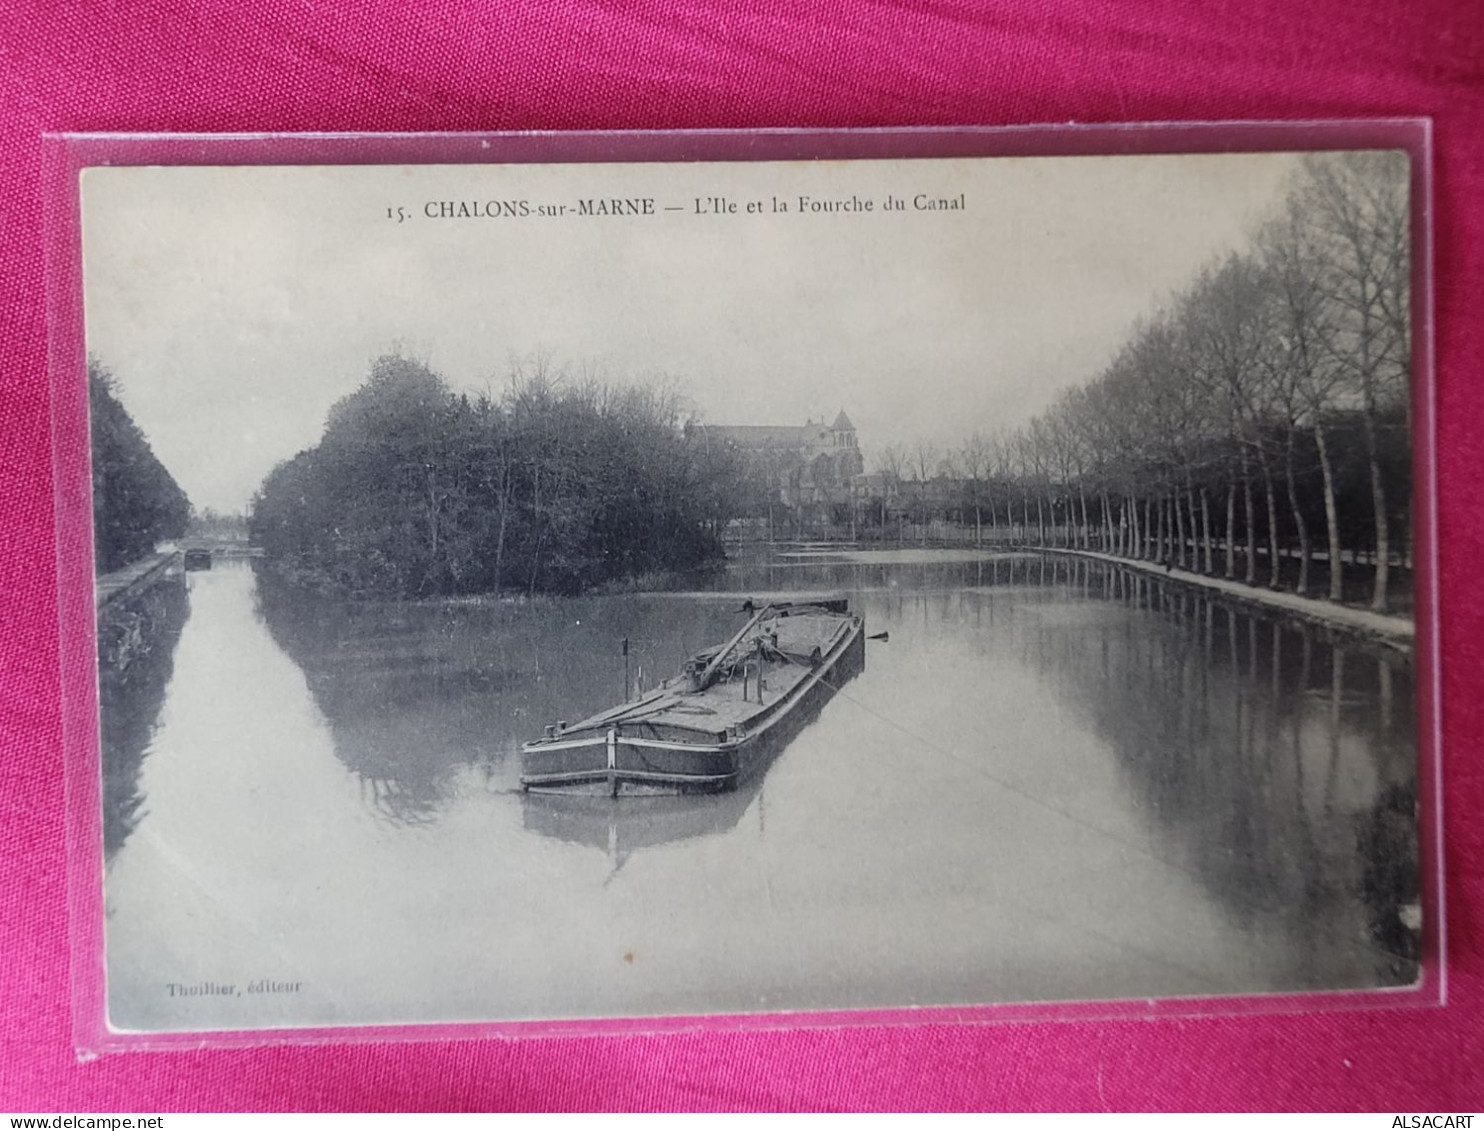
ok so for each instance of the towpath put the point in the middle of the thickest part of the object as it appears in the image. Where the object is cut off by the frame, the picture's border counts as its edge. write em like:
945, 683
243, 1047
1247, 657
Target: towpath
1398, 631
133, 578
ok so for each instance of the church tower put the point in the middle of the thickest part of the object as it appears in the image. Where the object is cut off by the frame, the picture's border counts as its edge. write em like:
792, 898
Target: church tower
842, 432
848, 459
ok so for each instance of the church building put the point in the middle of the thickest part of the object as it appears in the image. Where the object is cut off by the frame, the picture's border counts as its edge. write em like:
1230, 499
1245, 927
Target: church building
811, 467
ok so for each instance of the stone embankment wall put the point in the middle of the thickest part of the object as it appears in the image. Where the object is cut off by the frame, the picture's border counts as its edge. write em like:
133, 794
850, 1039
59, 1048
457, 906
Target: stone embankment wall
137, 634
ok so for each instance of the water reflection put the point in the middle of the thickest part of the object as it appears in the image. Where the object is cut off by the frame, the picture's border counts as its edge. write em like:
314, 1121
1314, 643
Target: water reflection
1275, 763
888, 572
136, 660
640, 822
1059, 779
414, 691
395, 686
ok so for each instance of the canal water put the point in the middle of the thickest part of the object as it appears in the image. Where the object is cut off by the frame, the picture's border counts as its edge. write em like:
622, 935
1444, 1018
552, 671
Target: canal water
1055, 780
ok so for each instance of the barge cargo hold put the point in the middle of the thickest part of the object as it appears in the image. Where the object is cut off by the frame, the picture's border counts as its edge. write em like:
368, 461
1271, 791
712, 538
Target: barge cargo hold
725, 715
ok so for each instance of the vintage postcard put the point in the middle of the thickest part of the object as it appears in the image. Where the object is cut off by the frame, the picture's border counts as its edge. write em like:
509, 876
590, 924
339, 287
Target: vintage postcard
551, 591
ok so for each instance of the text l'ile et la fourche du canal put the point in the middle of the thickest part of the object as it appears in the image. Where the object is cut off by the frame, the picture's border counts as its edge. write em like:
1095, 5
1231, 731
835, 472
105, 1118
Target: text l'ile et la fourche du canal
799, 204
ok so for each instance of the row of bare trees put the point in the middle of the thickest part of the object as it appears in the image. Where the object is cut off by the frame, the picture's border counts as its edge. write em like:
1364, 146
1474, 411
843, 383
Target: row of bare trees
1260, 417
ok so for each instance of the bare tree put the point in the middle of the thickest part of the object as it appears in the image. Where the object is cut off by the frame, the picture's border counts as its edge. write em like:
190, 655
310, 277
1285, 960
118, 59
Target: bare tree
1356, 206
1225, 310
923, 462
975, 457
891, 461
1301, 372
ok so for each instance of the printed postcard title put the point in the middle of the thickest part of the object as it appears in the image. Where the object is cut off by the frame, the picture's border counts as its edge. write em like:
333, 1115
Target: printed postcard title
713, 207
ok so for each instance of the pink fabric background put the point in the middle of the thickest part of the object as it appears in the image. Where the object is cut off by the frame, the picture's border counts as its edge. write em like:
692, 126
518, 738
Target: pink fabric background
234, 65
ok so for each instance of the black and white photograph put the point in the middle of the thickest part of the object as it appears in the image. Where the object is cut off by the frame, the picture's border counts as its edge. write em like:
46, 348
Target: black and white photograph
537, 592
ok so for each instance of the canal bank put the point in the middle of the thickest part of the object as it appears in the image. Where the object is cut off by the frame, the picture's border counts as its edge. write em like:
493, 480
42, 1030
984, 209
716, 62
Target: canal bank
1394, 631
141, 610
132, 603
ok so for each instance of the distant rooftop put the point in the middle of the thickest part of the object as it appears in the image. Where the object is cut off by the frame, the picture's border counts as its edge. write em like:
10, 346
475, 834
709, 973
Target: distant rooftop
762, 435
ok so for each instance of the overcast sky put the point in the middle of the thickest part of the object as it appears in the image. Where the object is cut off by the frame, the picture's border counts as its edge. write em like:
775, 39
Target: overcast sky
235, 306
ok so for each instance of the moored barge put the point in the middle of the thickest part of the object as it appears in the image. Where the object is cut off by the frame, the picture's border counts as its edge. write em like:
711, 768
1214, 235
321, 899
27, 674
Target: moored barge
723, 715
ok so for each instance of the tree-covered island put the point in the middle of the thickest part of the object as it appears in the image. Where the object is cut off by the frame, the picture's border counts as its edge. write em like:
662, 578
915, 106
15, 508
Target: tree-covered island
556, 486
